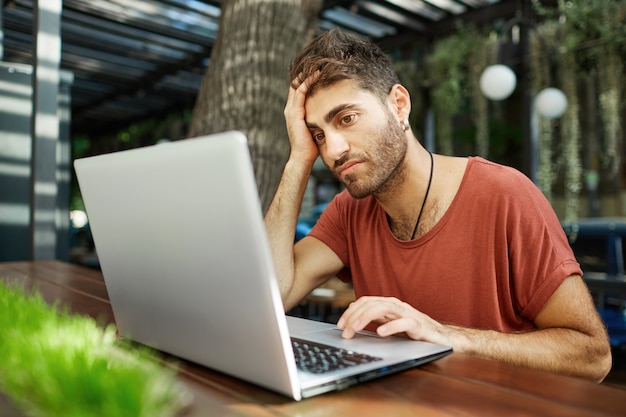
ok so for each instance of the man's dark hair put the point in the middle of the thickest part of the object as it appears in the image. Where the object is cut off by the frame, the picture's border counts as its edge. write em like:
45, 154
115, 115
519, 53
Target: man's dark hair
339, 56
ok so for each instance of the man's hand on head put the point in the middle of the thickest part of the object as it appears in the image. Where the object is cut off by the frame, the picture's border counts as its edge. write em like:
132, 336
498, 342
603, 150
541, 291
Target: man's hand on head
302, 145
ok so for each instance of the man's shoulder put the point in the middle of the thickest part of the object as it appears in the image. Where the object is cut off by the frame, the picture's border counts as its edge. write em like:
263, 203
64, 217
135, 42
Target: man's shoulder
494, 173
478, 162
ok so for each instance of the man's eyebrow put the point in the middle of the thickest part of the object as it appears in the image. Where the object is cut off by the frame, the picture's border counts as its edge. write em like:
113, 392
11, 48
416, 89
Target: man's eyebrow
332, 113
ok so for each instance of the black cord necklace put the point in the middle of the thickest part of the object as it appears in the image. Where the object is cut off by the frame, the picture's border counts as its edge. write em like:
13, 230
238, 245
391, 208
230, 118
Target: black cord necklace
430, 181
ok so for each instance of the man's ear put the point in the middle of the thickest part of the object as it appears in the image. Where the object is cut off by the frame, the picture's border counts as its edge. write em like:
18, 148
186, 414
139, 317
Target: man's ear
400, 101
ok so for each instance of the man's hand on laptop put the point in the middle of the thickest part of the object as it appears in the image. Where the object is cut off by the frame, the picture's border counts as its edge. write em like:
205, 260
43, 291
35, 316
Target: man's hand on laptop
392, 317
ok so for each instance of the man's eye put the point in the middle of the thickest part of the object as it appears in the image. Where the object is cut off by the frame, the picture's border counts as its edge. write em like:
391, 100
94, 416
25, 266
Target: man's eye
347, 119
318, 138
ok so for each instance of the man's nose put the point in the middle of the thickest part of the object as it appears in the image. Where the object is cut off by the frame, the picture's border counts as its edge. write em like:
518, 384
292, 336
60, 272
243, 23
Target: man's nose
336, 146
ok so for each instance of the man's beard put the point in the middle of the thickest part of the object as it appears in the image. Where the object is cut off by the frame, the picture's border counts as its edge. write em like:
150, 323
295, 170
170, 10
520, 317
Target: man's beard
385, 158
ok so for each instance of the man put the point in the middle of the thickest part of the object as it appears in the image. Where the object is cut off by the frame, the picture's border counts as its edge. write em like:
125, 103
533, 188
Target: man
457, 251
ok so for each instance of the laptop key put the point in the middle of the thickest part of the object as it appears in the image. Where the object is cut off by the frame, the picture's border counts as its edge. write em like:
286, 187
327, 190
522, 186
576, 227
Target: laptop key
319, 358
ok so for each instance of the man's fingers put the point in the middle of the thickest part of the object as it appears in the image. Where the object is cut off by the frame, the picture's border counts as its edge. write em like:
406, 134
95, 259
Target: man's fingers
368, 310
303, 85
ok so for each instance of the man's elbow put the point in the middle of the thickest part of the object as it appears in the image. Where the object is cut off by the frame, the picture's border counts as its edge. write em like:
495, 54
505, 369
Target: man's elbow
602, 364
599, 359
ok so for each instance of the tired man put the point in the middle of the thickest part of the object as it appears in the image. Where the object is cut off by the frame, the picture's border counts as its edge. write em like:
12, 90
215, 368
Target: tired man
458, 251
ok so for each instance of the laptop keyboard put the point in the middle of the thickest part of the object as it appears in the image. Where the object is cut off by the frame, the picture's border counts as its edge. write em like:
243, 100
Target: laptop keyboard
319, 358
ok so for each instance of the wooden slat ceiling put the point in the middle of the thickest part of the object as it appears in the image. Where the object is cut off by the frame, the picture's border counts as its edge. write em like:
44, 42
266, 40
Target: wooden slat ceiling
135, 59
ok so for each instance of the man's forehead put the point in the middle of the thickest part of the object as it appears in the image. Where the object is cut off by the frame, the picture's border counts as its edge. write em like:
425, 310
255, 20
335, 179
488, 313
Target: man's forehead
345, 93
340, 91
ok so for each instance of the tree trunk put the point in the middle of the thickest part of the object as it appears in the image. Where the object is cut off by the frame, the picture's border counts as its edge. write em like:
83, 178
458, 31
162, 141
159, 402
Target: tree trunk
245, 87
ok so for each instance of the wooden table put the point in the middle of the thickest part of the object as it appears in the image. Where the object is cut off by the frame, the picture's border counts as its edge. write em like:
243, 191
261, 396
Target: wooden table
457, 385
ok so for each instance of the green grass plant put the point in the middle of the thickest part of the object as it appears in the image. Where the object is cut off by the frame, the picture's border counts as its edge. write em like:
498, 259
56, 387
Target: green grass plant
54, 364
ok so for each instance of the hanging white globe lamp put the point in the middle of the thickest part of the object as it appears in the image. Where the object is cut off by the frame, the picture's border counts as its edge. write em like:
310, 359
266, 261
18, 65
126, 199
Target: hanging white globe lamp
551, 103
497, 82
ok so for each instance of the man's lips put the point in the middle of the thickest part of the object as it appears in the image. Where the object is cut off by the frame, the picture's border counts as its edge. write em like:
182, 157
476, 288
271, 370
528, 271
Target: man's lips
347, 167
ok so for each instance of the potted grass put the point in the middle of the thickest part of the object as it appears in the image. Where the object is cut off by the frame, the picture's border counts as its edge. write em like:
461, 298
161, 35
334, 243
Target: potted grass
58, 364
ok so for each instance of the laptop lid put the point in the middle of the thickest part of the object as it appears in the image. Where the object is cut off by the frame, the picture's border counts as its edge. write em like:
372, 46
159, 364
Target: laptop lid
180, 238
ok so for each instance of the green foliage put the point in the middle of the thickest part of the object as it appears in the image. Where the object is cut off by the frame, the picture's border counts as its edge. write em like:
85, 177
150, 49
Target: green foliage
580, 48
449, 73
586, 26
454, 67
449, 69
55, 364
598, 19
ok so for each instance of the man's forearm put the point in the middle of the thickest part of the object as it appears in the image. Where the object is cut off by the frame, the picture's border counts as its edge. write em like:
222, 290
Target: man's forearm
281, 218
558, 350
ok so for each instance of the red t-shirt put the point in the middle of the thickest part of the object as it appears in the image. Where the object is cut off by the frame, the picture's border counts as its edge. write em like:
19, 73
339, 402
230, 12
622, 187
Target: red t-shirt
491, 262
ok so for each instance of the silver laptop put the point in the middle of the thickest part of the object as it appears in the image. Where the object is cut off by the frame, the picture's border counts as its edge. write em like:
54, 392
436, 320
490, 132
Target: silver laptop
180, 238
